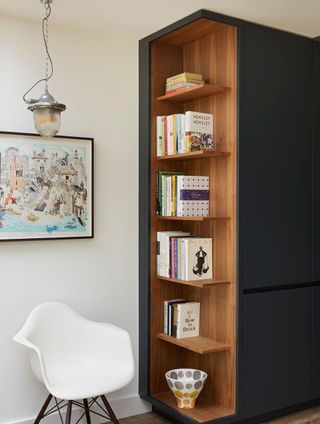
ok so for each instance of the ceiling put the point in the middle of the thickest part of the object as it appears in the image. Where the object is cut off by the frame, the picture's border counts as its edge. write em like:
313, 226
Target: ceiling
139, 18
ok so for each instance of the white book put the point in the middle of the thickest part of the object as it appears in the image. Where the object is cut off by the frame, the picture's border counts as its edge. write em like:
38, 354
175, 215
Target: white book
192, 195
164, 257
170, 134
187, 320
199, 131
160, 125
197, 259
182, 134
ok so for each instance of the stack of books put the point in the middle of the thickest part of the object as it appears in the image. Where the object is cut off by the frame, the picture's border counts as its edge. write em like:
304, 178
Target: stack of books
183, 257
183, 133
182, 195
181, 318
183, 81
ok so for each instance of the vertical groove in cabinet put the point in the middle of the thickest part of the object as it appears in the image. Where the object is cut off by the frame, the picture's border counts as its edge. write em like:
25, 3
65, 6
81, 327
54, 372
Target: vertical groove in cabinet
316, 162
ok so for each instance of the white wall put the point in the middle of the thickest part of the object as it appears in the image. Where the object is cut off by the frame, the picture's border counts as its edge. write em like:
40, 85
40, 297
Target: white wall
96, 77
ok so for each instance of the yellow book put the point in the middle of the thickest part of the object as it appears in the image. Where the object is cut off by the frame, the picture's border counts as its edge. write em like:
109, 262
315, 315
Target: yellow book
188, 142
173, 197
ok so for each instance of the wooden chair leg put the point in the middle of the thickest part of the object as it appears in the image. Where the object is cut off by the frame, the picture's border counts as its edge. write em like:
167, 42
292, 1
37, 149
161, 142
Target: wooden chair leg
86, 408
43, 409
69, 410
109, 409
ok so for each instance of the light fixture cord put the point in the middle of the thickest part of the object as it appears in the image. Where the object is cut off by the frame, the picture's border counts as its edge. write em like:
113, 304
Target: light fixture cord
48, 60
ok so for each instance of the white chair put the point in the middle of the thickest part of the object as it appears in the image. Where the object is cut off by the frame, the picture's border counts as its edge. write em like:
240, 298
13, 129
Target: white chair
76, 359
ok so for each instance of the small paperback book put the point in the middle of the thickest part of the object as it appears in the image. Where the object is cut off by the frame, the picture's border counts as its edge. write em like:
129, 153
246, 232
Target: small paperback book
186, 320
192, 195
196, 258
199, 131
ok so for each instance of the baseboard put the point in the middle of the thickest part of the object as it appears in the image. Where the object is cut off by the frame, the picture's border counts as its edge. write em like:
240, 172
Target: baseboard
123, 407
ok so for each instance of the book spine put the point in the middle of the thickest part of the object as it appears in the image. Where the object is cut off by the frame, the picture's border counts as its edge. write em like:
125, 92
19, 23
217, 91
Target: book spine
159, 136
157, 194
175, 258
183, 260
165, 129
171, 269
179, 259
175, 309
158, 253
183, 76
165, 317
162, 195
167, 256
179, 177
173, 195
186, 253
174, 140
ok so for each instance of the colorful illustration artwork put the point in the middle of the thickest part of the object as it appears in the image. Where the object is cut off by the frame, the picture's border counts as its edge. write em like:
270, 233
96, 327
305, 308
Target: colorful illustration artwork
45, 187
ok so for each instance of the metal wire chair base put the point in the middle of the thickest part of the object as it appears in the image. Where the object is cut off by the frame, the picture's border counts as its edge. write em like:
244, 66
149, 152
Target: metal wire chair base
105, 411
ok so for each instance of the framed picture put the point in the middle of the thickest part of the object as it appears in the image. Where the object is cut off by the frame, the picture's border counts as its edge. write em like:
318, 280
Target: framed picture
46, 187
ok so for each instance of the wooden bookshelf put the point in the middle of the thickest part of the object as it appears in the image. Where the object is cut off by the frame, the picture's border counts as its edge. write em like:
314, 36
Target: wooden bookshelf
195, 283
208, 48
201, 345
199, 154
193, 93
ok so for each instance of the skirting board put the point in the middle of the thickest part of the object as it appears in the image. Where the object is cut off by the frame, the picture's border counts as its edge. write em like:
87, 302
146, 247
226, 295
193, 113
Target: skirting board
123, 407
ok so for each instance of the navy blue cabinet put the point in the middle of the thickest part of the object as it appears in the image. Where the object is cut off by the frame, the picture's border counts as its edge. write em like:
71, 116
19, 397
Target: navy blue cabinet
277, 350
276, 157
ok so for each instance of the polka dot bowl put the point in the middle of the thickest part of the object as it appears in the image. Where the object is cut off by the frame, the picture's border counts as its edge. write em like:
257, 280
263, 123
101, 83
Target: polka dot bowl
186, 385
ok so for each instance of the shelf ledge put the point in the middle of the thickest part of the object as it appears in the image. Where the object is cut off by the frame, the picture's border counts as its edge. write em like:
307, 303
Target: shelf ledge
201, 345
203, 412
193, 93
195, 283
194, 218
198, 154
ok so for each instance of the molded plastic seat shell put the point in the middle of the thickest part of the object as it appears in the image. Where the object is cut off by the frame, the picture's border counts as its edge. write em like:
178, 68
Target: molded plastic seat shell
73, 357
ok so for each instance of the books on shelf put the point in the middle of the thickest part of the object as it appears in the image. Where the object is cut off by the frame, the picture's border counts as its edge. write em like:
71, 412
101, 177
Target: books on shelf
183, 133
182, 195
181, 318
184, 257
183, 81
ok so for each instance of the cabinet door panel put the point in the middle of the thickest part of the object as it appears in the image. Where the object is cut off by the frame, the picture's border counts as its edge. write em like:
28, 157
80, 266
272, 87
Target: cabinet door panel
316, 344
277, 345
276, 157
316, 161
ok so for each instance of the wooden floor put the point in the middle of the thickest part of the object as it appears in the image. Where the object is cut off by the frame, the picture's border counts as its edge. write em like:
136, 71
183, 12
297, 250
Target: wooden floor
310, 416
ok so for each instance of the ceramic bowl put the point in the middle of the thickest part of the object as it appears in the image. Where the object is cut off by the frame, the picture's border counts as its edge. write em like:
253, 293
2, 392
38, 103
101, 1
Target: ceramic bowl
186, 385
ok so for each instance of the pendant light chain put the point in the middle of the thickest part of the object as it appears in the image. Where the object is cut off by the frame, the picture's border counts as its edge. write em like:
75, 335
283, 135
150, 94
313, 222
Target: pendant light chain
46, 40
48, 60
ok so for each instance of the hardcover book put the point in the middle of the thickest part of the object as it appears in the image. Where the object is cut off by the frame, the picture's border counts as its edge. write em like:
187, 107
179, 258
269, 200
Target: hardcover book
196, 261
186, 320
192, 195
199, 131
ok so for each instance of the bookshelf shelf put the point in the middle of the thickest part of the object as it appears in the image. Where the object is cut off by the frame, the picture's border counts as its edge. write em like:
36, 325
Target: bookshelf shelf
194, 93
201, 345
199, 154
203, 412
195, 283
194, 218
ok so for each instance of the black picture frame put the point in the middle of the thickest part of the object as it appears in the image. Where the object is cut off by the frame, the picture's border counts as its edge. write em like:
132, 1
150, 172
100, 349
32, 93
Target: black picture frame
90, 141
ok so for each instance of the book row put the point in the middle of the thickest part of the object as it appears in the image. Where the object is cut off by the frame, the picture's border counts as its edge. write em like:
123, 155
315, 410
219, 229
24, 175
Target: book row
181, 318
183, 256
182, 195
183, 133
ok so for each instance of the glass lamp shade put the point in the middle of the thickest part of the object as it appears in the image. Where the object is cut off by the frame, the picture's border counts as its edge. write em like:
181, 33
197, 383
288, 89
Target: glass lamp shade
47, 121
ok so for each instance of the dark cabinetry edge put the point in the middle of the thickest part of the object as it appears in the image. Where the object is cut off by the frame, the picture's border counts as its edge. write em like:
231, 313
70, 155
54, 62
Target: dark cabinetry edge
282, 287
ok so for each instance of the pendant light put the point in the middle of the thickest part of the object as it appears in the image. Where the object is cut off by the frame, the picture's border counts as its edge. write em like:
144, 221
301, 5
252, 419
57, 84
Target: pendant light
46, 110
